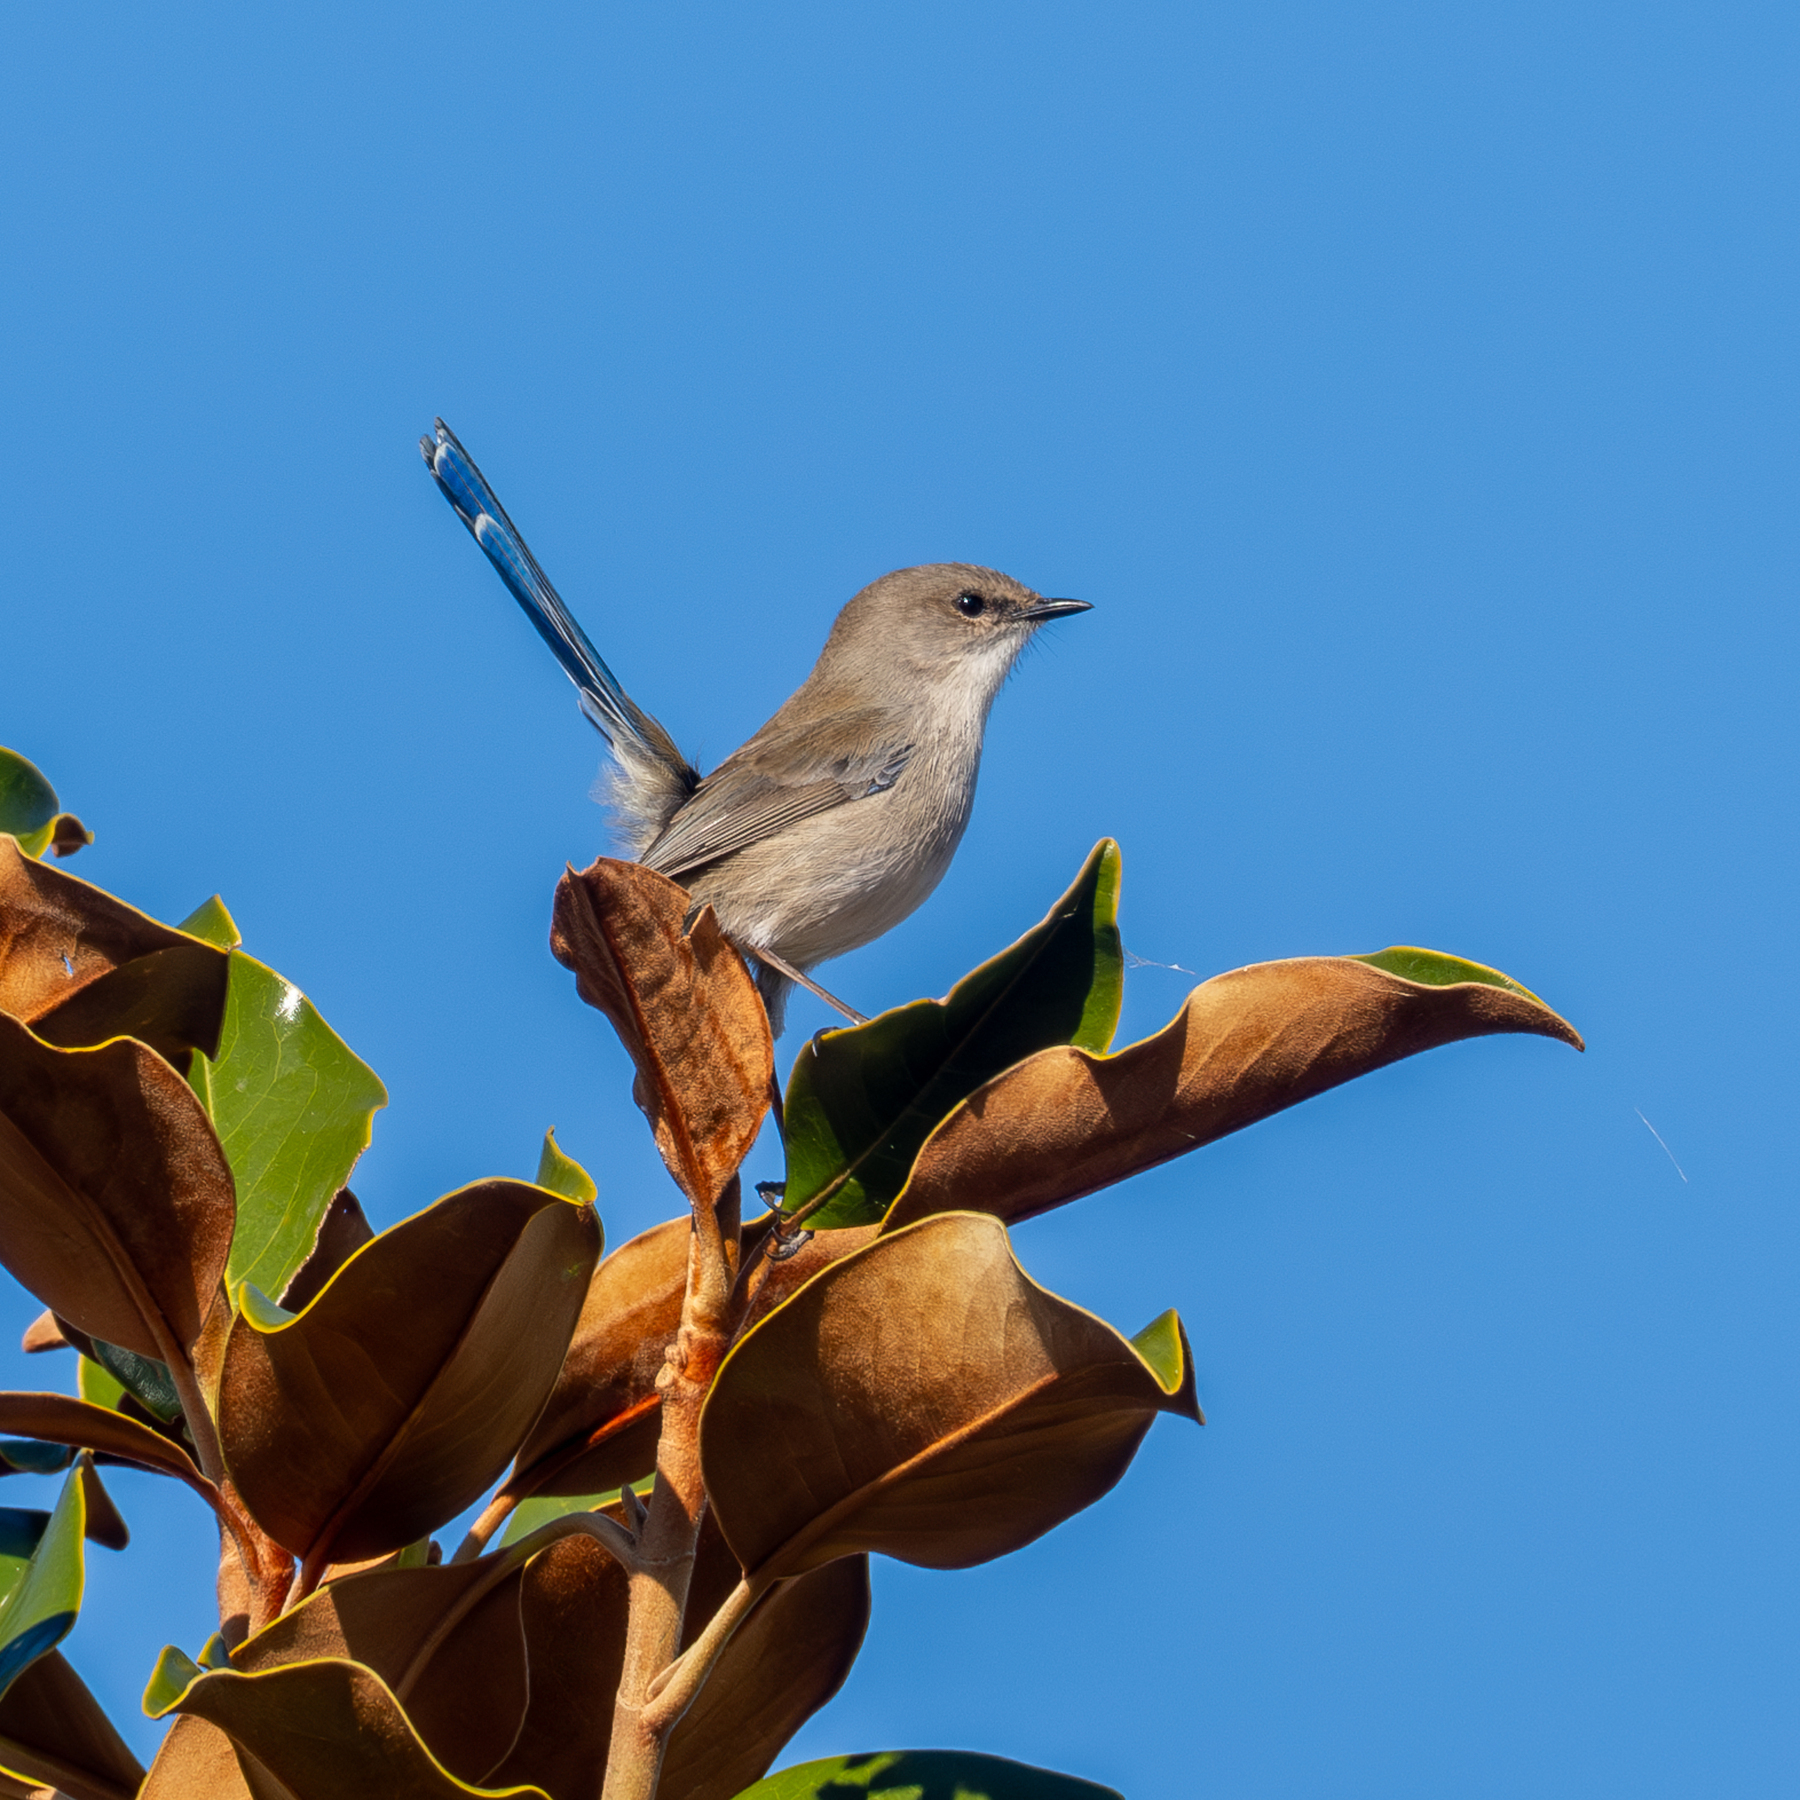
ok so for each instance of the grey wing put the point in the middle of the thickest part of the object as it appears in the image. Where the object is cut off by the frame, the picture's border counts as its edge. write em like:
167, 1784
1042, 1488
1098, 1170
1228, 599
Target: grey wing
772, 783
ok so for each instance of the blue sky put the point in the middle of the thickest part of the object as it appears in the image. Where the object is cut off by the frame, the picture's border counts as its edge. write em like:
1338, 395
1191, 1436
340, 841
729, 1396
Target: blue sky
1411, 389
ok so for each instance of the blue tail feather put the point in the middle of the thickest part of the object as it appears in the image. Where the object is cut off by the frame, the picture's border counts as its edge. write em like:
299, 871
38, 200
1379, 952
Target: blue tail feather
603, 700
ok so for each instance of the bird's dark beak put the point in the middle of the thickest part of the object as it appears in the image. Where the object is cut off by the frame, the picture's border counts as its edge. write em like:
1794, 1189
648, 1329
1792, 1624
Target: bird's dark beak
1056, 609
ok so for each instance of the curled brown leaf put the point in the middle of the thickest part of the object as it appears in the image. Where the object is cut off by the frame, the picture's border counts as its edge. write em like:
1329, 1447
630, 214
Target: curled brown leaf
82, 966
598, 1428
62, 1419
53, 1731
685, 1009
775, 1279
1064, 1123
327, 1729
445, 1640
572, 1613
197, 1761
68, 834
342, 1232
116, 1204
105, 1524
924, 1398
43, 1333
390, 1402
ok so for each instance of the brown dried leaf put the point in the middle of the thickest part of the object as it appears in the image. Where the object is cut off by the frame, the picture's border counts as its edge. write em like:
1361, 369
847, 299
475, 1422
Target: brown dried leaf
354, 1427
173, 1000
68, 834
105, 1526
1247, 1044
53, 1731
116, 1204
782, 1664
196, 1761
327, 1730
598, 1428
62, 1419
572, 1607
685, 1009
773, 1282
929, 1401
60, 936
467, 1697
342, 1232
43, 1333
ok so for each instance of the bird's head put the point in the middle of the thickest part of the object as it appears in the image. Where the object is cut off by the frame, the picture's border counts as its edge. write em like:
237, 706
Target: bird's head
941, 628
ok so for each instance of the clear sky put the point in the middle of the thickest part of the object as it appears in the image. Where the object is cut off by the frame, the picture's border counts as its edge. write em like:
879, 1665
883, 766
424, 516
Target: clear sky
1412, 390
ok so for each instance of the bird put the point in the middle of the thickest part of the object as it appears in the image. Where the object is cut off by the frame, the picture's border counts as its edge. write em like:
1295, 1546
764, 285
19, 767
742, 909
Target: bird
840, 816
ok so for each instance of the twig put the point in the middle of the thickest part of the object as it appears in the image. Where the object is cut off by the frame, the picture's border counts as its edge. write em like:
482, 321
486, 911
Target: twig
673, 1691
665, 1547
493, 1516
528, 1482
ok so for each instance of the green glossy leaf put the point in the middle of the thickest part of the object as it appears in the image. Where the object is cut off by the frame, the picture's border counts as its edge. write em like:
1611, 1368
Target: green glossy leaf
1432, 968
118, 1371
99, 1386
923, 1775
28, 804
540, 1509
862, 1101
175, 1672
40, 1578
215, 1653
293, 1107
142, 1376
212, 924
28, 810
562, 1174
28, 1456
1163, 1347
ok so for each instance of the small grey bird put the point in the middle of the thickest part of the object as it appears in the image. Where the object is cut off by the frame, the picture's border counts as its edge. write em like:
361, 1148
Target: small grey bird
841, 815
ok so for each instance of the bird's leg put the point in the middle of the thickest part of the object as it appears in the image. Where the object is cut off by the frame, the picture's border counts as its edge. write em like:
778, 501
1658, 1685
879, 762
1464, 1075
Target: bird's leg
777, 1106
783, 967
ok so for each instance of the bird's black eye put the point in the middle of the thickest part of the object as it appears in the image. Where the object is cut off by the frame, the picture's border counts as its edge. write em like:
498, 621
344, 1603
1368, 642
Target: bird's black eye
971, 606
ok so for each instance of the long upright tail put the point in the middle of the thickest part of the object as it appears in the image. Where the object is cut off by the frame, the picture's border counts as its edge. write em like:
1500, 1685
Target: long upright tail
618, 718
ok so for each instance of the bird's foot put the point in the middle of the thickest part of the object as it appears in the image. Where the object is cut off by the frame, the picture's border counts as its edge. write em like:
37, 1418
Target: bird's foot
782, 1243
